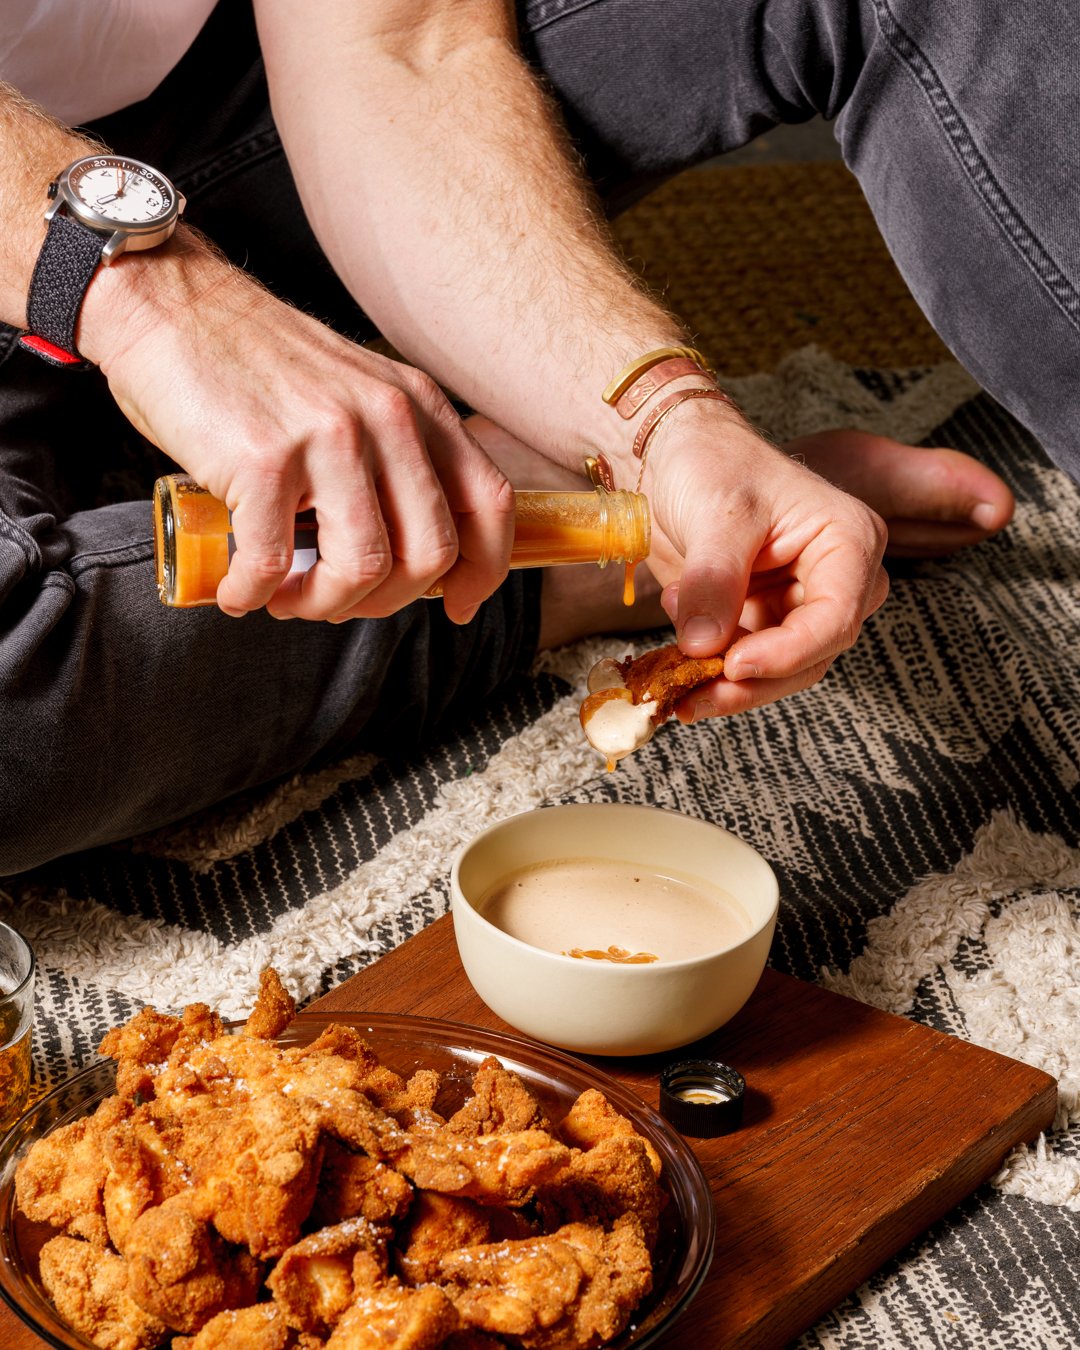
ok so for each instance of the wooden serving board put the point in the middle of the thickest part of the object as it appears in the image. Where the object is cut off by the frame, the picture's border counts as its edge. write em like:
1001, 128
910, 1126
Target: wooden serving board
861, 1129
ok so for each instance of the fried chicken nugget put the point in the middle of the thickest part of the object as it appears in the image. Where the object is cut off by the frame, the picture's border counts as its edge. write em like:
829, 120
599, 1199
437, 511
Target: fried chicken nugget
592, 1118
182, 1271
141, 1154
571, 1290
88, 1285
612, 1178
274, 1008
260, 1327
143, 1045
353, 1185
317, 1278
61, 1180
255, 1166
392, 1317
500, 1104
438, 1224
494, 1169
629, 699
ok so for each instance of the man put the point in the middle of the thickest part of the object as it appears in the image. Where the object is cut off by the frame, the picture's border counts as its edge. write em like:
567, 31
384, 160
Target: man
424, 162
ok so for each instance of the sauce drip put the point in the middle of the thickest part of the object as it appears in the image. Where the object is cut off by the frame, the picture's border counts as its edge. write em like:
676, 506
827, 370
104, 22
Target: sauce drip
628, 584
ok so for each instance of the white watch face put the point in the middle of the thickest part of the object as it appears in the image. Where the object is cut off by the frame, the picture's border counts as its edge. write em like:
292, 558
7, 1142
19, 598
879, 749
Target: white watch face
120, 191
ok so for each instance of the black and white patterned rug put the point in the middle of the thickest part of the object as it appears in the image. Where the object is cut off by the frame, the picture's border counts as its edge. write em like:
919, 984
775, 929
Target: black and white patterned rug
920, 807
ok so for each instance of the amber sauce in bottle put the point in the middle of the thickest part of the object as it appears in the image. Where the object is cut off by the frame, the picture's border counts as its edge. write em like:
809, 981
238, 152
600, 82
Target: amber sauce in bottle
192, 535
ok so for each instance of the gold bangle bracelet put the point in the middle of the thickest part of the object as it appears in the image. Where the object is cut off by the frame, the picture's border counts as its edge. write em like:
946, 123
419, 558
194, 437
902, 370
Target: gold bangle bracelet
626, 377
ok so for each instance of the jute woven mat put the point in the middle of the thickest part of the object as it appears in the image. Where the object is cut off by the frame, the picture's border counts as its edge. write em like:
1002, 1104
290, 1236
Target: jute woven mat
762, 260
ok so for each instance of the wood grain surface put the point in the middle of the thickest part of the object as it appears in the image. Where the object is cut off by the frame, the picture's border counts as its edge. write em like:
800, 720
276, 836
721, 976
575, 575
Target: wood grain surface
861, 1129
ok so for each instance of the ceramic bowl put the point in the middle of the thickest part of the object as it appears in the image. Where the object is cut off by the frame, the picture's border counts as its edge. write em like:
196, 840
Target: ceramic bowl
596, 1007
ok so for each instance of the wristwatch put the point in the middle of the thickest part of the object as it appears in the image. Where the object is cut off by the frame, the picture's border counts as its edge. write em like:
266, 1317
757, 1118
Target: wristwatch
102, 206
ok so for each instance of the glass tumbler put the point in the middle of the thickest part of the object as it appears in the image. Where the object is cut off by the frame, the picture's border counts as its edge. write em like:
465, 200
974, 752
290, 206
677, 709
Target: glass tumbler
16, 1019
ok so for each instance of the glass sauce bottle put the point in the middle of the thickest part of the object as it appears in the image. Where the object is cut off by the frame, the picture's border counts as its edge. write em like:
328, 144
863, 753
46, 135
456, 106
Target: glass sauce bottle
193, 536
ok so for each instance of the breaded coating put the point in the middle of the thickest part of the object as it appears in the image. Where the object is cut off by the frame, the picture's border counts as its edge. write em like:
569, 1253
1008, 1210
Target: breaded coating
439, 1224
613, 1178
142, 1156
395, 1318
317, 1278
182, 1271
261, 1327
500, 1104
142, 1046
571, 1290
61, 1180
89, 1287
495, 1169
387, 1226
353, 1185
665, 676
274, 1008
592, 1118
354, 1063
255, 1166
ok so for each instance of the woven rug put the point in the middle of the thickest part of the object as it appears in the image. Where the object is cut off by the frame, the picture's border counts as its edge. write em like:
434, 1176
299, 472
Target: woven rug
920, 806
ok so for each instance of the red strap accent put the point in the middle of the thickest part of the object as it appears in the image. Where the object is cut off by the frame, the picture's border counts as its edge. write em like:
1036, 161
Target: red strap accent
51, 352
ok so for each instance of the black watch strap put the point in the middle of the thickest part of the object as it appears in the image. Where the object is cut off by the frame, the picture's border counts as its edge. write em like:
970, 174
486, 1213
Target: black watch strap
69, 257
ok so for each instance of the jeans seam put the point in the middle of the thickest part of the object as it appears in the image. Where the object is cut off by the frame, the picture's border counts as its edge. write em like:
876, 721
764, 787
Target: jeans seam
21, 539
105, 560
239, 156
551, 11
978, 171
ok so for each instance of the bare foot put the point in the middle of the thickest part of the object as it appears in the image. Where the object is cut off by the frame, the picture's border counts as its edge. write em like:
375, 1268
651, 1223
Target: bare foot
577, 602
934, 501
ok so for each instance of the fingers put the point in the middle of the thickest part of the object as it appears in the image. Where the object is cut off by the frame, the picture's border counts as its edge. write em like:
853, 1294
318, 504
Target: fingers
723, 698
838, 592
777, 551
403, 497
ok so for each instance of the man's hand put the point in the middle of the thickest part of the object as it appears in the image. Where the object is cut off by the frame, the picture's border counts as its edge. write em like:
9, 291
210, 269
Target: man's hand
753, 546
274, 413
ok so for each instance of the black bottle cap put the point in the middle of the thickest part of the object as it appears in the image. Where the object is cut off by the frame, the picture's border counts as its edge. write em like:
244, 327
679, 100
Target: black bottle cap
702, 1097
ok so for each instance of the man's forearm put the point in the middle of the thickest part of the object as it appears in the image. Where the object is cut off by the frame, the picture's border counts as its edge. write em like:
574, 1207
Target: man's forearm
436, 176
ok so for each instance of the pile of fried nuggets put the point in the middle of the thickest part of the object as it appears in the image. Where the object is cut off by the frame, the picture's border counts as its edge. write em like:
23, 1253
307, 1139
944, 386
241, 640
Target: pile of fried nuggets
255, 1197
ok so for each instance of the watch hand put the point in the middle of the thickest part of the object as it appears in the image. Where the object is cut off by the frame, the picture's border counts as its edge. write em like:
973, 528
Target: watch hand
104, 201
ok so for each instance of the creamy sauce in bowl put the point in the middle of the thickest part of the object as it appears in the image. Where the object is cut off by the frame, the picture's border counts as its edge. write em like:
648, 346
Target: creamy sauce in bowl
575, 904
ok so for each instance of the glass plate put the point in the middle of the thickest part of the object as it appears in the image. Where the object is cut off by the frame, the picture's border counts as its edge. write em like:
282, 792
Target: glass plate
404, 1044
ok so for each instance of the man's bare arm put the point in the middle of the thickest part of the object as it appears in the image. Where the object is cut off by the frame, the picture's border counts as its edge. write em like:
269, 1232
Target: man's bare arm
437, 178
270, 410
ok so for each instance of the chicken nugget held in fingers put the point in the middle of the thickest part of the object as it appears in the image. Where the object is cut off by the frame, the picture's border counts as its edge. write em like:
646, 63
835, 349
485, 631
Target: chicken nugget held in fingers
629, 699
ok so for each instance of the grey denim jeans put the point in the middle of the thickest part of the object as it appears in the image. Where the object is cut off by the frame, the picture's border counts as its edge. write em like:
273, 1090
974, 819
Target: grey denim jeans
118, 716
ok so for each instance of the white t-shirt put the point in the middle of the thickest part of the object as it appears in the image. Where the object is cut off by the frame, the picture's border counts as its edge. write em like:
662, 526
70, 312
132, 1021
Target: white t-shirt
81, 59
